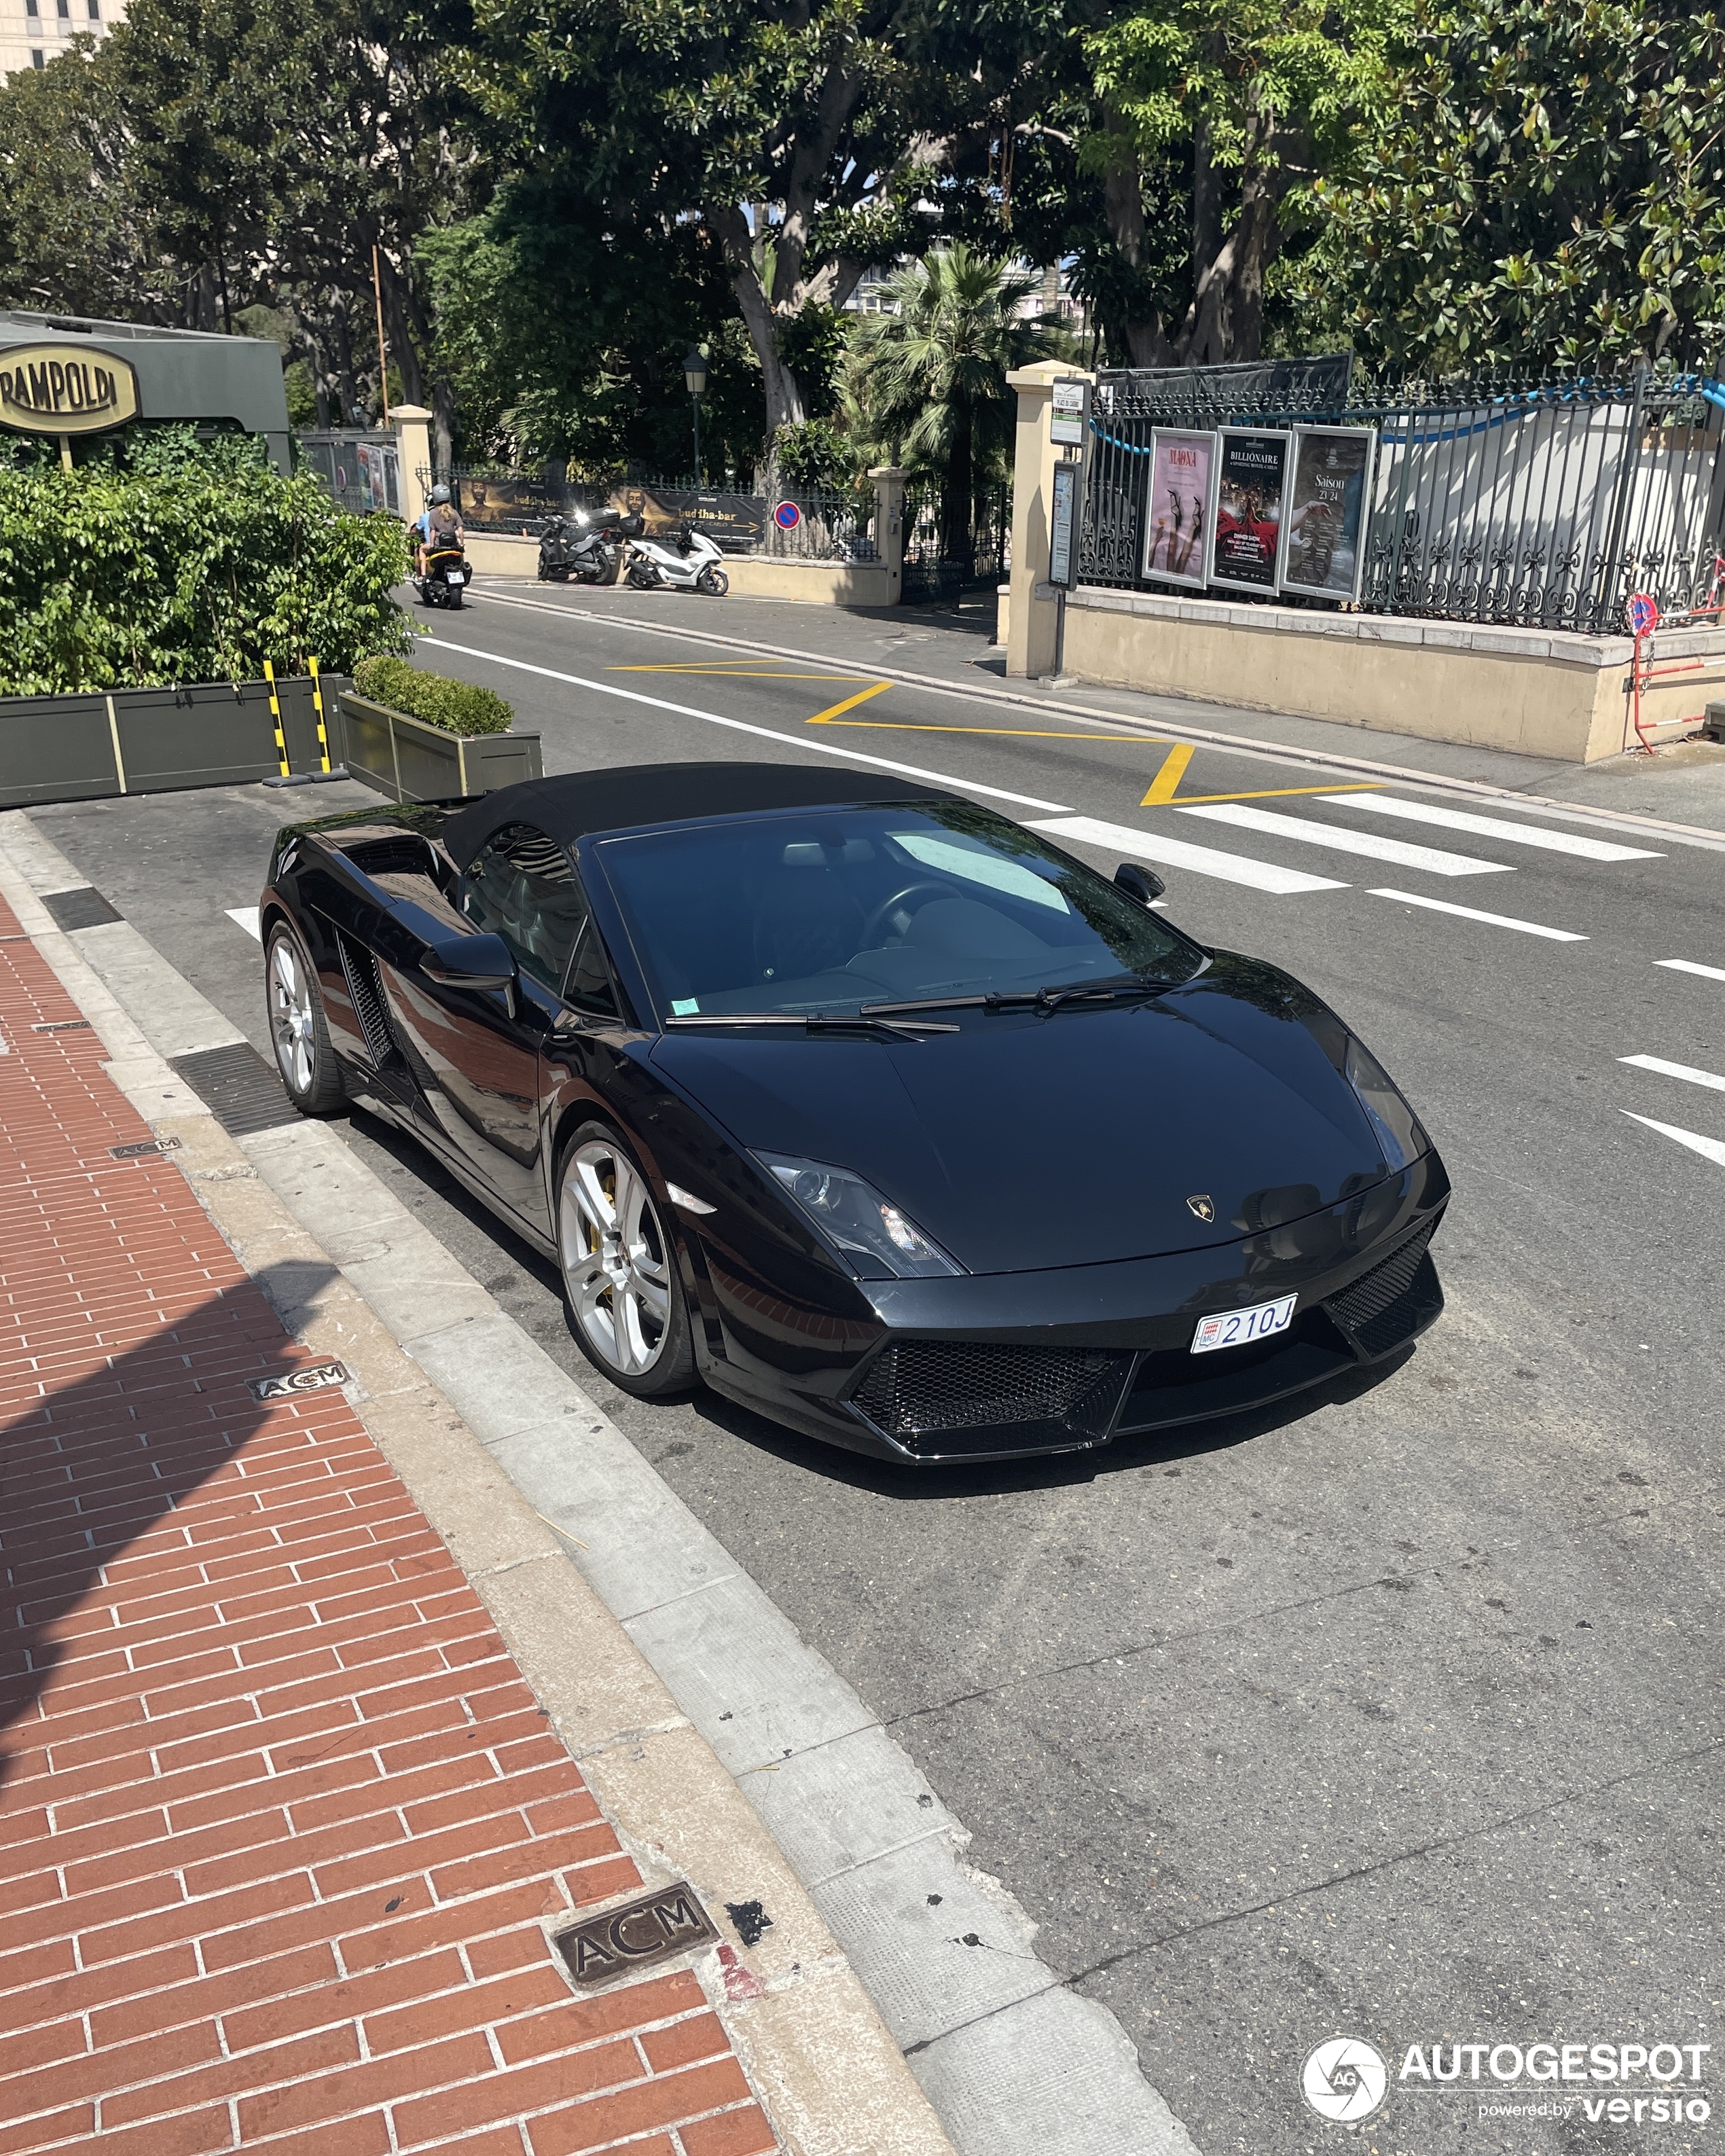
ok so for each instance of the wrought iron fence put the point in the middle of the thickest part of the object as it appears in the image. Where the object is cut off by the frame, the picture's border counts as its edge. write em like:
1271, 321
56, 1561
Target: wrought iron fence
815, 524
1540, 504
943, 558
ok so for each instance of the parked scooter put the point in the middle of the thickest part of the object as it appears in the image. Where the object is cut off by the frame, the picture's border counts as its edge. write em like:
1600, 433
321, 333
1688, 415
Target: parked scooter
447, 575
585, 548
687, 561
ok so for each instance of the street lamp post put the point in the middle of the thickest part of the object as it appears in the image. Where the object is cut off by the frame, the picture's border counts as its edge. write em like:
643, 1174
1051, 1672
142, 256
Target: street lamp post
695, 375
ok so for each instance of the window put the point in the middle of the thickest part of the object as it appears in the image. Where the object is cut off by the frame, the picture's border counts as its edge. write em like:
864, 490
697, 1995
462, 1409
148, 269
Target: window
588, 986
523, 889
33, 8
63, 8
36, 57
95, 11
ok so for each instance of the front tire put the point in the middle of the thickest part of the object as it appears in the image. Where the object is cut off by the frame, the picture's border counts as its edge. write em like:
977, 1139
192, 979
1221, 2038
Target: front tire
620, 1269
297, 1029
714, 581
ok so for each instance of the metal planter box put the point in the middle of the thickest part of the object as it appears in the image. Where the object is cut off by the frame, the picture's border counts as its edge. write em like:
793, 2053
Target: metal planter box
156, 741
411, 761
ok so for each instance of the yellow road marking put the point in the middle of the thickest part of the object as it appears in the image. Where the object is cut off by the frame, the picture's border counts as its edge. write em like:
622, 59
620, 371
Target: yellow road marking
1172, 771
1007, 733
862, 696
1278, 792
737, 672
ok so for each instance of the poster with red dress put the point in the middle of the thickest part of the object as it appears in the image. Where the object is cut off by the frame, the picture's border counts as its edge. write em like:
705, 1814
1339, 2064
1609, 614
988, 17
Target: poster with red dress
1252, 467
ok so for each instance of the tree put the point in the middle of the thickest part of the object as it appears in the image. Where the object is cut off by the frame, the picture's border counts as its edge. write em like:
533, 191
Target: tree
1547, 186
1214, 117
217, 155
806, 138
933, 370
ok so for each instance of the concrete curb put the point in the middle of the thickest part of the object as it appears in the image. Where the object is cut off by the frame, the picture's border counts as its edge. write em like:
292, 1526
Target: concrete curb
1171, 730
823, 2064
840, 1826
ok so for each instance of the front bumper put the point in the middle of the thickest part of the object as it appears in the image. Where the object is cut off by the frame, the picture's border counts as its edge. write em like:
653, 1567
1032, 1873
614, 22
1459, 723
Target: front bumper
1005, 1365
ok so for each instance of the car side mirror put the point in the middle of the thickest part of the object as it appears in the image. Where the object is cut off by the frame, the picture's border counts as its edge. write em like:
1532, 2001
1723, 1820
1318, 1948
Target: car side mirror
469, 962
1138, 883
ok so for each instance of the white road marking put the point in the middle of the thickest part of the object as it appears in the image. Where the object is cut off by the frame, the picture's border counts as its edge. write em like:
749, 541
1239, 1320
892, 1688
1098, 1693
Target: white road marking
1176, 854
1675, 1070
1689, 966
1490, 827
1473, 913
1708, 1148
765, 733
246, 917
1397, 850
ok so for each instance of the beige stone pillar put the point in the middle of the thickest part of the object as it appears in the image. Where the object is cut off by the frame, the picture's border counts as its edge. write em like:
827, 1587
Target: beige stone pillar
890, 525
1032, 623
413, 456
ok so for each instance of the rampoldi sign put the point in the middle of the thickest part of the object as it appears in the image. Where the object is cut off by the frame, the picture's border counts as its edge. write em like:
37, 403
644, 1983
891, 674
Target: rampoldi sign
65, 389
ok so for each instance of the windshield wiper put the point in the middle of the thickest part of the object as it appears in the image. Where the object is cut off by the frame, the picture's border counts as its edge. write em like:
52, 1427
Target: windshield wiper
818, 1022
1047, 999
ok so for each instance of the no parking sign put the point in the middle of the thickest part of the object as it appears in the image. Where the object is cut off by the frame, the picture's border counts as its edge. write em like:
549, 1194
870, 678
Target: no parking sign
787, 516
1643, 614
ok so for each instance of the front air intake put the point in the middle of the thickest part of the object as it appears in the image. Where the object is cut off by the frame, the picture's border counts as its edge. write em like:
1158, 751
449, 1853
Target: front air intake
940, 1396
1389, 1304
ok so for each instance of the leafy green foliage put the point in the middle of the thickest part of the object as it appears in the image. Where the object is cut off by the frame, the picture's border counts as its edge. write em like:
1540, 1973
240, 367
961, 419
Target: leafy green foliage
1231, 111
1549, 184
815, 453
459, 707
931, 378
197, 571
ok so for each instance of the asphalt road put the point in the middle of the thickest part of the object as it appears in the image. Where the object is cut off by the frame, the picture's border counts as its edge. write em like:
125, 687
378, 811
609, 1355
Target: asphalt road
1396, 1714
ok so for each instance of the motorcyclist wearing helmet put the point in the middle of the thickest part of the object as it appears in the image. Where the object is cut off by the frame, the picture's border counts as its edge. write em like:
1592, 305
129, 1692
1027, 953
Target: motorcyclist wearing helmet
438, 499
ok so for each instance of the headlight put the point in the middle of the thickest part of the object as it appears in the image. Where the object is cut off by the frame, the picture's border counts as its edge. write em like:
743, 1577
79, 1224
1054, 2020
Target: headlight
879, 1241
1396, 1126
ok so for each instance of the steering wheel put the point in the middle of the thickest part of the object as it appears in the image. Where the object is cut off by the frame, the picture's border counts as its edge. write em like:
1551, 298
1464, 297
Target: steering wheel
883, 913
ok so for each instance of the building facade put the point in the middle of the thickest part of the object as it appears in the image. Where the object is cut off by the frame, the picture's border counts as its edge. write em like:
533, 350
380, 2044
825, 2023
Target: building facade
32, 31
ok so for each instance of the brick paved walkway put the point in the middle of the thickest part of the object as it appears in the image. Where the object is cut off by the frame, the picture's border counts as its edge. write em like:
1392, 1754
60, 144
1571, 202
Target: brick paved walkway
279, 1818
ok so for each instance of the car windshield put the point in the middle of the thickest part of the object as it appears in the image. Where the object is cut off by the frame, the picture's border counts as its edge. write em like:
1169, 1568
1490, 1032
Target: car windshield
834, 910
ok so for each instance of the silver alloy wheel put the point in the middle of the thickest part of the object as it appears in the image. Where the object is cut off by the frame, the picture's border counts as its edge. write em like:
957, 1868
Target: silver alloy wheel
291, 1016
615, 1258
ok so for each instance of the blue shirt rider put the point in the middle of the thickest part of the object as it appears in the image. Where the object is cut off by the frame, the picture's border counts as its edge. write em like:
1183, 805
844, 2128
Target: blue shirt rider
449, 521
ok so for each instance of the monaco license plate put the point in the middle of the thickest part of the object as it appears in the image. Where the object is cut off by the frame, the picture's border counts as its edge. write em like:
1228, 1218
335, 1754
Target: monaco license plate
1234, 1328
458, 576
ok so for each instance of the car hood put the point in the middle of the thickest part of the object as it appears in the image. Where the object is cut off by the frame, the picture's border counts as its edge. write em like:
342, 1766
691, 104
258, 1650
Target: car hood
1028, 1140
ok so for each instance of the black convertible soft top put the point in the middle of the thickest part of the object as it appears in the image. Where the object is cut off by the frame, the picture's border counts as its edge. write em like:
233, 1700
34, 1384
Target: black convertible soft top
577, 802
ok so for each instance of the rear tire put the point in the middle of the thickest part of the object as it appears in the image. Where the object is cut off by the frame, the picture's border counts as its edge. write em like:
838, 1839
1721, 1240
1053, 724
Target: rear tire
641, 580
620, 1269
298, 1031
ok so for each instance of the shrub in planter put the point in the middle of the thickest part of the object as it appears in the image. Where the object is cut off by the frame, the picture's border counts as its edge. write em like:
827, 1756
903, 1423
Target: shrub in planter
460, 707
193, 567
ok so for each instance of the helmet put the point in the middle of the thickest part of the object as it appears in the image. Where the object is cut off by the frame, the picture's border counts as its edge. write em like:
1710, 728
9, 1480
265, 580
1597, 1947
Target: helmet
438, 496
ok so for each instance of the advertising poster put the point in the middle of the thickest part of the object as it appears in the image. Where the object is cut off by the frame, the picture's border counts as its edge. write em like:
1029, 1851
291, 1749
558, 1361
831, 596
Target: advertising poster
1251, 479
1180, 509
1323, 553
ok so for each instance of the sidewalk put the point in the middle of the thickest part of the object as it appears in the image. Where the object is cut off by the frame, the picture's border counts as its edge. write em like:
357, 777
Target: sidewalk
282, 1825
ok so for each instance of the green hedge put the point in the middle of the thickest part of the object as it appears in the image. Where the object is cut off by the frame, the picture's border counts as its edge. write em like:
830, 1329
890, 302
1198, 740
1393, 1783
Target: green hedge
198, 570
460, 707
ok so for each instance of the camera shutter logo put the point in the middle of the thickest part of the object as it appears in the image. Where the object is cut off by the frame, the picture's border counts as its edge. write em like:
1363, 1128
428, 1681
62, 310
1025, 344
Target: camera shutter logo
1344, 2080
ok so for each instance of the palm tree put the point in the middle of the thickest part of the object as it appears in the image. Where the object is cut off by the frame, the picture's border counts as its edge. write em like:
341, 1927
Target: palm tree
930, 374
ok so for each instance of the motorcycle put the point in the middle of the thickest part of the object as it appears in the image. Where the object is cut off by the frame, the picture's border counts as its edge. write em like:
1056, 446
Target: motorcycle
583, 548
446, 576
688, 562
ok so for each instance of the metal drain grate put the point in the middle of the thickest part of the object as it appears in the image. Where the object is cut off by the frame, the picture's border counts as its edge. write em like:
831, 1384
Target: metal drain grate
241, 1090
84, 908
